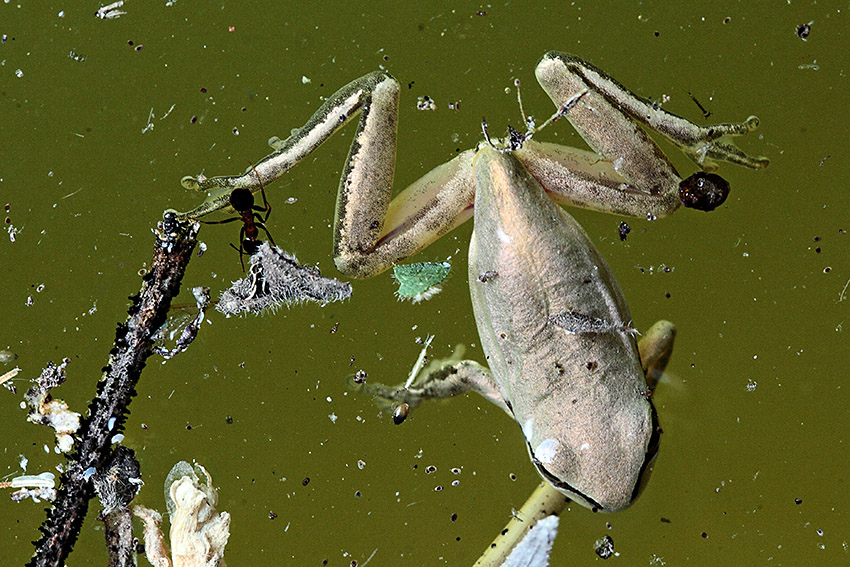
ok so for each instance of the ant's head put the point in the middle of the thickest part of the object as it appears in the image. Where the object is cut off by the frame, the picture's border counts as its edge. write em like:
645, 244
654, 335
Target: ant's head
241, 200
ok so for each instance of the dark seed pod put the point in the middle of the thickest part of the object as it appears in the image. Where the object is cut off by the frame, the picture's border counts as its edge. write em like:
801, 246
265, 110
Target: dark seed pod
400, 413
703, 191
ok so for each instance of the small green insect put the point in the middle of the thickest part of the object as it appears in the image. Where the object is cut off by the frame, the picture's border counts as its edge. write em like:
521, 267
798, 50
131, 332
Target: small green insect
420, 281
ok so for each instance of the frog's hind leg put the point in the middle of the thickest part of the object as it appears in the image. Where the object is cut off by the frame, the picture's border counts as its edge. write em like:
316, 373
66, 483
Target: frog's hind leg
627, 173
562, 75
656, 348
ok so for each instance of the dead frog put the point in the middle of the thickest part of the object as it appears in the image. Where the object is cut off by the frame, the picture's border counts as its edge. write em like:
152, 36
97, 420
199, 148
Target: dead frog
555, 328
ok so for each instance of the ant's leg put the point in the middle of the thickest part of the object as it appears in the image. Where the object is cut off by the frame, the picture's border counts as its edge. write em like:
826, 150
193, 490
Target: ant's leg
225, 221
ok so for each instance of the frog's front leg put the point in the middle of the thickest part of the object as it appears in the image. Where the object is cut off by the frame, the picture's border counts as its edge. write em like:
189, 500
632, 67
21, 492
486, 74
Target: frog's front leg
370, 232
633, 176
442, 379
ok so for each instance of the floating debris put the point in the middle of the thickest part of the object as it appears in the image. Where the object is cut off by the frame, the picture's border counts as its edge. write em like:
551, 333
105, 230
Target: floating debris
535, 547
7, 356
111, 11
276, 278
6, 379
604, 547
198, 532
38, 487
426, 103
46, 410
573, 323
422, 281
190, 331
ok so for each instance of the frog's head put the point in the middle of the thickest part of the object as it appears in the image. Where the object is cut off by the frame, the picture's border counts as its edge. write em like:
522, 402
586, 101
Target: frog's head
604, 470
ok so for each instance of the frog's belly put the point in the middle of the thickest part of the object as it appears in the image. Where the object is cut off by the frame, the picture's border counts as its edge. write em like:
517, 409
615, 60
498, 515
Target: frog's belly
581, 393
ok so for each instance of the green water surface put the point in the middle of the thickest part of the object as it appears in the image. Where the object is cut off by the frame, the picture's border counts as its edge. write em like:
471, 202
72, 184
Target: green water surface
99, 120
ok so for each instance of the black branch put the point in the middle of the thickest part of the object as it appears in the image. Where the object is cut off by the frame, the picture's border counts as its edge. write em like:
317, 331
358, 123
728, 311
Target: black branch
133, 345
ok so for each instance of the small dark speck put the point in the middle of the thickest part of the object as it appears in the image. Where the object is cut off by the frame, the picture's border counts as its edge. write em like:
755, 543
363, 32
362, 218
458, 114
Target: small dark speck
816, 238
667, 294
798, 501
420, 27
386, 57
228, 419
272, 515
623, 229
704, 535
139, 47
188, 427
357, 494
454, 517
512, 476
817, 250
727, 19
657, 34
244, 109
354, 564
193, 119
827, 270
803, 31
306, 481
324, 561
480, 13
203, 89
665, 520
457, 538
130, 42
410, 85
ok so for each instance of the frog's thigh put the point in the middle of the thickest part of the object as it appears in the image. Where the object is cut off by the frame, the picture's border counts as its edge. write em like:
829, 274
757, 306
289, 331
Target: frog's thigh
600, 119
656, 347
429, 208
580, 178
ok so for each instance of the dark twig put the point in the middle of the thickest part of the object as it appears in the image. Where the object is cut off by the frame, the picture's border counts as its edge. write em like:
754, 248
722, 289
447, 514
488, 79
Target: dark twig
133, 345
116, 487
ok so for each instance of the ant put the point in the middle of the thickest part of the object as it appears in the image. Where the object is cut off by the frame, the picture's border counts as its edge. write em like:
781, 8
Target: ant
242, 201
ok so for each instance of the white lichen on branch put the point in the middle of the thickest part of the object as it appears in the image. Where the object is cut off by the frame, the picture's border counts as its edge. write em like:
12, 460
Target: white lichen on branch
44, 409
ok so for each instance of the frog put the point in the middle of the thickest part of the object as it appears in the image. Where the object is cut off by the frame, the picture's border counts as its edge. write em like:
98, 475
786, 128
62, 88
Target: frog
562, 357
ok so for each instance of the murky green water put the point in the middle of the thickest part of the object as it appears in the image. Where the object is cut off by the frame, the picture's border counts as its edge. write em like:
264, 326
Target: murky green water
755, 411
